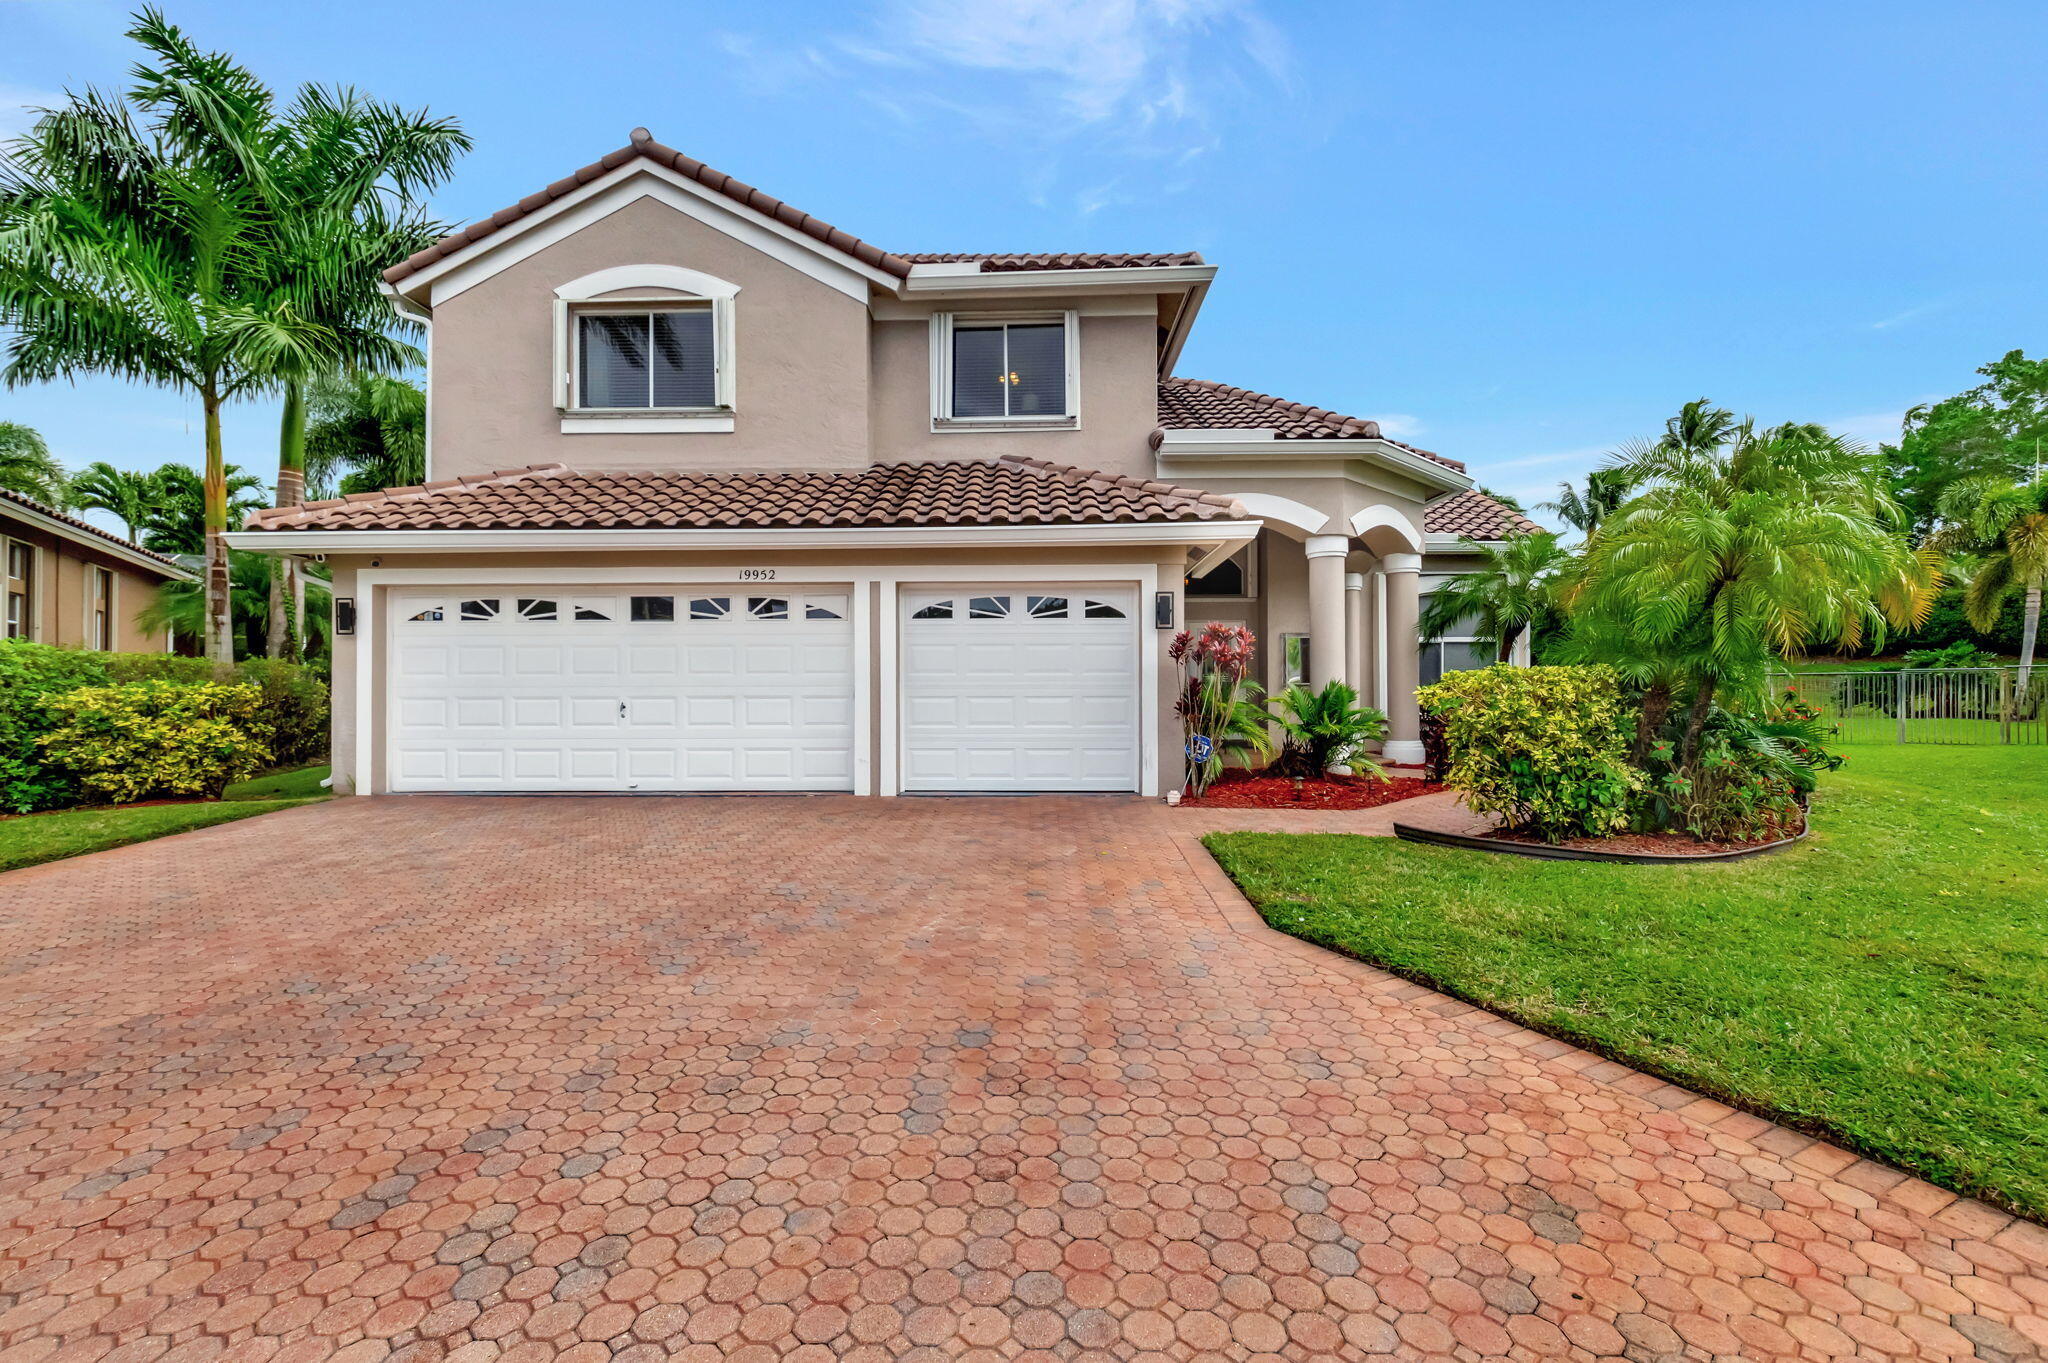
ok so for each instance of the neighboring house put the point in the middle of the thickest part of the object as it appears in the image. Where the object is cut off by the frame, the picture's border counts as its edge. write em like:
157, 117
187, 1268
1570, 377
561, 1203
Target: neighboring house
722, 497
73, 584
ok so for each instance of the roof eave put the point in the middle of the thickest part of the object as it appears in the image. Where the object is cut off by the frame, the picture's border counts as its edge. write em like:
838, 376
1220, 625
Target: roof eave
1220, 529
109, 545
1213, 442
1112, 279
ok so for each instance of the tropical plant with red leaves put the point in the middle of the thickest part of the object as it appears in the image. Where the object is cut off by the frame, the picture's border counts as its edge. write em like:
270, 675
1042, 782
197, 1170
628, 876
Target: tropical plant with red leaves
1222, 711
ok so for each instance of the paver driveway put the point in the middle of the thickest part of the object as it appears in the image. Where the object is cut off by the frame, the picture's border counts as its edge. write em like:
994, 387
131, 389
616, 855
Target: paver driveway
811, 1079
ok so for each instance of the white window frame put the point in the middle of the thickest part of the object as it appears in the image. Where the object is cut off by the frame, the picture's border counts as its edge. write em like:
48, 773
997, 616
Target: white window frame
8, 544
645, 289
95, 575
943, 324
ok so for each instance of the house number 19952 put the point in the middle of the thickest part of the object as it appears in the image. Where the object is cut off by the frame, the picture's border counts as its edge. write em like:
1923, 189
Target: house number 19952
757, 574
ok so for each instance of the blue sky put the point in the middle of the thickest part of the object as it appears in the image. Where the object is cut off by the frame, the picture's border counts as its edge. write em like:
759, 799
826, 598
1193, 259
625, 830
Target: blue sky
1516, 234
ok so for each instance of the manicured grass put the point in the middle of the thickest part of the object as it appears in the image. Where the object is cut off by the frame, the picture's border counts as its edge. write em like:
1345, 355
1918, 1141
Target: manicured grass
1881, 984
37, 838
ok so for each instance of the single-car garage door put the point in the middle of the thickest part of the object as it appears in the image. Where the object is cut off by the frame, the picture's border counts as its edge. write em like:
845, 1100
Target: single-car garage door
1020, 688
537, 689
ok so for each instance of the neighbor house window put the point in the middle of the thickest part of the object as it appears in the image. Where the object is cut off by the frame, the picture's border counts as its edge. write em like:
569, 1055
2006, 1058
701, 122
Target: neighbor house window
101, 623
665, 360
21, 589
1006, 371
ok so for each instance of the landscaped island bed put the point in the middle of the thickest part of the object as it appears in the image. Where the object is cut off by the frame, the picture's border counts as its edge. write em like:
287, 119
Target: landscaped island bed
1256, 790
1880, 984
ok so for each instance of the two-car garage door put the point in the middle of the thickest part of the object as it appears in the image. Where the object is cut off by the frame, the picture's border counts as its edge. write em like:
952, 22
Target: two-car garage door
536, 688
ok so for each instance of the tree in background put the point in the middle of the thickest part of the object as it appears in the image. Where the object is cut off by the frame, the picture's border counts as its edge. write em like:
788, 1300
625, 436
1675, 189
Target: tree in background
338, 181
1742, 545
120, 255
1606, 489
366, 431
122, 493
2005, 525
1996, 431
27, 467
1514, 589
178, 520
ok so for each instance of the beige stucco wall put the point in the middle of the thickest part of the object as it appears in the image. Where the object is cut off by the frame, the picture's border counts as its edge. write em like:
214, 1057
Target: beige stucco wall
801, 360
1119, 396
1118, 565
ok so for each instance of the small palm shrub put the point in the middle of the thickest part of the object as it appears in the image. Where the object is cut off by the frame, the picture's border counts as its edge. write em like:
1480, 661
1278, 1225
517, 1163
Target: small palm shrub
1219, 705
1545, 748
150, 738
1752, 779
1961, 653
1325, 729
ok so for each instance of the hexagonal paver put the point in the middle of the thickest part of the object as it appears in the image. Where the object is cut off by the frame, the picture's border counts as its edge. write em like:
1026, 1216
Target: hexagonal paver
454, 1081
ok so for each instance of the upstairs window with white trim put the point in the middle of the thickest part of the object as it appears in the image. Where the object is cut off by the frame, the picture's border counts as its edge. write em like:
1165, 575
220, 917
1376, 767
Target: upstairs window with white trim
1005, 372
664, 360
645, 348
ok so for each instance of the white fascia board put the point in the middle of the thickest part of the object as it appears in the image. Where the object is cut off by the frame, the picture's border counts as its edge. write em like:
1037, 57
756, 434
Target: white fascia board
614, 190
1209, 445
841, 537
1137, 277
1453, 544
944, 269
1183, 323
119, 549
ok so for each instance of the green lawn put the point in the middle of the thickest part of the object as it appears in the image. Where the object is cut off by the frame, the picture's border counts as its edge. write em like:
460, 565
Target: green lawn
1881, 984
69, 832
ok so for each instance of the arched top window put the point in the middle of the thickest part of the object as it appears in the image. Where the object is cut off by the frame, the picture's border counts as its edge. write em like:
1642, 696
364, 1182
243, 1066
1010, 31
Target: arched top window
645, 338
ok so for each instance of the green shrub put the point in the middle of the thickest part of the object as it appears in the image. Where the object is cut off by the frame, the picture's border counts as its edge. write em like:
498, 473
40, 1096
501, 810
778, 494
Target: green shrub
29, 673
1545, 748
135, 667
1961, 653
149, 738
1324, 729
291, 718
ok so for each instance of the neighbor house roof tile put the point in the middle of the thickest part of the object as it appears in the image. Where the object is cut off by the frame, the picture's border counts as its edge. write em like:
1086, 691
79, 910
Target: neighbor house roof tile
1198, 404
1008, 491
997, 262
1475, 515
172, 567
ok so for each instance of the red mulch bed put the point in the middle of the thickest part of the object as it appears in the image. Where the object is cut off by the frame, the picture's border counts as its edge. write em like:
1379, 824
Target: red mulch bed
1253, 790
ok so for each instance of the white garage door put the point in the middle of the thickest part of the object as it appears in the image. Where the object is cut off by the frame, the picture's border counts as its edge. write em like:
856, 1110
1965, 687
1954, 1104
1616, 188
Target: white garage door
1020, 688
533, 688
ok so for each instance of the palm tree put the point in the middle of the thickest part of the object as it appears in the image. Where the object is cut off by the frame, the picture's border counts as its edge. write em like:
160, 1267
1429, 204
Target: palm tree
122, 493
2007, 525
26, 466
122, 255
1514, 590
1743, 545
366, 431
339, 179
1606, 489
177, 518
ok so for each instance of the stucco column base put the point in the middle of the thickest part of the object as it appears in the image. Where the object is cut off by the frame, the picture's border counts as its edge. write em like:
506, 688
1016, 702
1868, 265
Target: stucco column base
1327, 646
1404, 658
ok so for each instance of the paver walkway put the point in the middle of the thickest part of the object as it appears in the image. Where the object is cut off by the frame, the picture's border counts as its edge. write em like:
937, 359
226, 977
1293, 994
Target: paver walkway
819, 1079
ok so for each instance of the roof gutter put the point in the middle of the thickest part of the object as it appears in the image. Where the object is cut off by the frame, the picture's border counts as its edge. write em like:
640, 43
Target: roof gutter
1235, 444
807, 537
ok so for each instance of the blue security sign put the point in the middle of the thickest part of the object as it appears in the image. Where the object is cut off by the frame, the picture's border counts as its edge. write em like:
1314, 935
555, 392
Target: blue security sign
1200, 747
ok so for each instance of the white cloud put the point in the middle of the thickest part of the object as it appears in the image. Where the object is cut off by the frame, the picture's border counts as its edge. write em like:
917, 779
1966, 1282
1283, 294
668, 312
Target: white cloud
1399, 425
1910, 314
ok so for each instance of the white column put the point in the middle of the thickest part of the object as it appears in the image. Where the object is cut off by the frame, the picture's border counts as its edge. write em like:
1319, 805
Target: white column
1403, 656
1326, 644
1354, 632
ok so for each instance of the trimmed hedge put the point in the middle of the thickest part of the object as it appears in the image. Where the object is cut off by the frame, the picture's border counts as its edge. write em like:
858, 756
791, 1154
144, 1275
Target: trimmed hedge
289, 720
149, 738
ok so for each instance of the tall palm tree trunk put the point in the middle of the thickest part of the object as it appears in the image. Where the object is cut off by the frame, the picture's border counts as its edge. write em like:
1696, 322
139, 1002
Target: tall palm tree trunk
281, 635
220, 636
2030, 632
1696, 723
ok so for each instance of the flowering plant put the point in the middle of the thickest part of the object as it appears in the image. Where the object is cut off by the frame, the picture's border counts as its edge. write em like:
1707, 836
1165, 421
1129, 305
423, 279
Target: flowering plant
1221, 709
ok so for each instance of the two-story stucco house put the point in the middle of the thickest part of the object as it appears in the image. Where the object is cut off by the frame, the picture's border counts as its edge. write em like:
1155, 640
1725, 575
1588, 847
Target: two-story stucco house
721, 497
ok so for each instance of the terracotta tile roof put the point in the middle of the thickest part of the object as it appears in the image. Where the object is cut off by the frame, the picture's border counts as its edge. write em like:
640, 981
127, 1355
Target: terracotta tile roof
643, 144
172, 568
1195, 404
1474, 514
890, 262
996, 262
1008, 491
